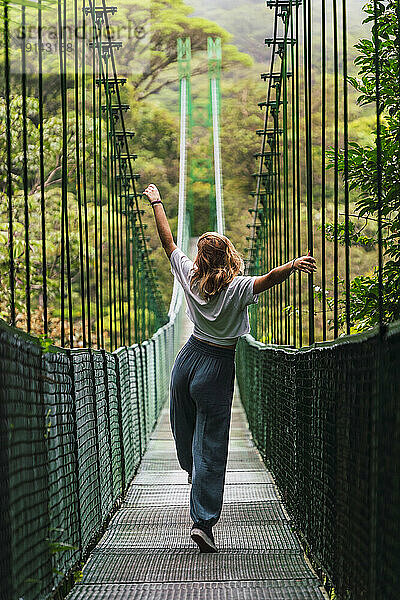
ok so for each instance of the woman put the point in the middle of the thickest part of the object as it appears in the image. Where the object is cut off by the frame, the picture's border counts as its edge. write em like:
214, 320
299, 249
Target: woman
202, 377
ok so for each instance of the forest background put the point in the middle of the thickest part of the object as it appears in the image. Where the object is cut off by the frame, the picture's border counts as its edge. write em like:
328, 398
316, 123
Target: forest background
245, 25
152, 92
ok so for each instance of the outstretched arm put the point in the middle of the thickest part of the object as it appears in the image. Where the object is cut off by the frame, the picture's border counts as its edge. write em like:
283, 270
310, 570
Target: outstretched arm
163, 228
279, 274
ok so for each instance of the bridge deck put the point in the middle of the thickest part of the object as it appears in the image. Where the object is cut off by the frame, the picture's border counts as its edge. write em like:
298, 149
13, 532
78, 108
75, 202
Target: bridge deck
147, 553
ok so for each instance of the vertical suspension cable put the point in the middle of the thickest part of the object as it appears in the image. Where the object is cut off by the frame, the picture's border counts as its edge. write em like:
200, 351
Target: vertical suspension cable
376, 43
217, 158
397, 42
274, 182
25, 174
323, 164
9, 180
143, 293
95, 197
265, 269
114, 195
336, 172
66, 215
62, 278
182, 179
117, 222
128, 259
307, 23
109, 232
41, 170
120, 209
97, 30
84, 182
285, 188
294, 175
286, 217
78, 177
112, 208
268, 225
214, 67
346, 165
69, 279
135, 282
182, 163
65, 177
279, 219
298, 181
113, 170
139, 289
121, 276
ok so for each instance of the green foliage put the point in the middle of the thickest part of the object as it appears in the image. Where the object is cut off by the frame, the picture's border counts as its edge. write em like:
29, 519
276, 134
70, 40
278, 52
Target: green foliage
249, 22
364, 169
45, 342
157, 135
387, 32
157, 139
45, 4
53, 150
56, 547
355, 235
240, 119
28, 3
161, 23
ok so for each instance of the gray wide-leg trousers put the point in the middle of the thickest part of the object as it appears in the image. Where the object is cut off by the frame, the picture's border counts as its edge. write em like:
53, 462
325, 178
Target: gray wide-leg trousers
201, 392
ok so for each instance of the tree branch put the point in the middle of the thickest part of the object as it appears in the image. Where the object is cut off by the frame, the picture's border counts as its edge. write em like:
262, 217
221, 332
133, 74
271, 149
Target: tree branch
367, 218
47, 182
146, 92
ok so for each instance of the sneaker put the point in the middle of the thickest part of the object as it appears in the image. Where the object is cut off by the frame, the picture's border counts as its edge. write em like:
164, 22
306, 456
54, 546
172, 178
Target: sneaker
189, 479
204, 540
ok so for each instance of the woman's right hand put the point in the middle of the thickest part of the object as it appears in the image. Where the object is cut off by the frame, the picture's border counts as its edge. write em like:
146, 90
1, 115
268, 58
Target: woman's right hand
152, 193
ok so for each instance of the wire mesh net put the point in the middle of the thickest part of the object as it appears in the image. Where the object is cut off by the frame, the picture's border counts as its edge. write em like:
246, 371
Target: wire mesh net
326, 420
75, 424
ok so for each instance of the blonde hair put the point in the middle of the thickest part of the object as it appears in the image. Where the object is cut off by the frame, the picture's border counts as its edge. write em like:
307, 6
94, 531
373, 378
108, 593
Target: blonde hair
216, 264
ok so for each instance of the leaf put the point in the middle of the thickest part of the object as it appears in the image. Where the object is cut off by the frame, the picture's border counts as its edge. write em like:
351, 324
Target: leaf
60, 547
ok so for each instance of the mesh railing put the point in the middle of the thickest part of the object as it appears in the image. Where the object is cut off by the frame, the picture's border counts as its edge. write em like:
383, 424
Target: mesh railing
326, 421
74, 426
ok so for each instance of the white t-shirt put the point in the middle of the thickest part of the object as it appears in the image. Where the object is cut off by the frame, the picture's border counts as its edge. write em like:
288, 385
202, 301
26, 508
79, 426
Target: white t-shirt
224, 318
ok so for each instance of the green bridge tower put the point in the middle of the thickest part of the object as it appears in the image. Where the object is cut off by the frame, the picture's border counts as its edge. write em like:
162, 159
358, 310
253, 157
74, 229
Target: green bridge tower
203, 114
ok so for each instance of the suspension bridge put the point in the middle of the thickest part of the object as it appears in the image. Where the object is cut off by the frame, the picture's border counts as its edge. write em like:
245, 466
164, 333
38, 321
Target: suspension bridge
93, 502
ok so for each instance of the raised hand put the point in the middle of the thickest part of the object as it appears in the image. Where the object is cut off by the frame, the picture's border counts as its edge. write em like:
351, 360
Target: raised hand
152, 193
306, 263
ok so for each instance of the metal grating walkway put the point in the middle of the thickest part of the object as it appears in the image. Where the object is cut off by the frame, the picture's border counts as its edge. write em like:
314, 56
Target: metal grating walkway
147, 554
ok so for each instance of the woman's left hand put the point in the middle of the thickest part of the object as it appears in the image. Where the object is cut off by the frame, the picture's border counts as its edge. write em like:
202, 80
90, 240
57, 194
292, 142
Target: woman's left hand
307, 264
152, 193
